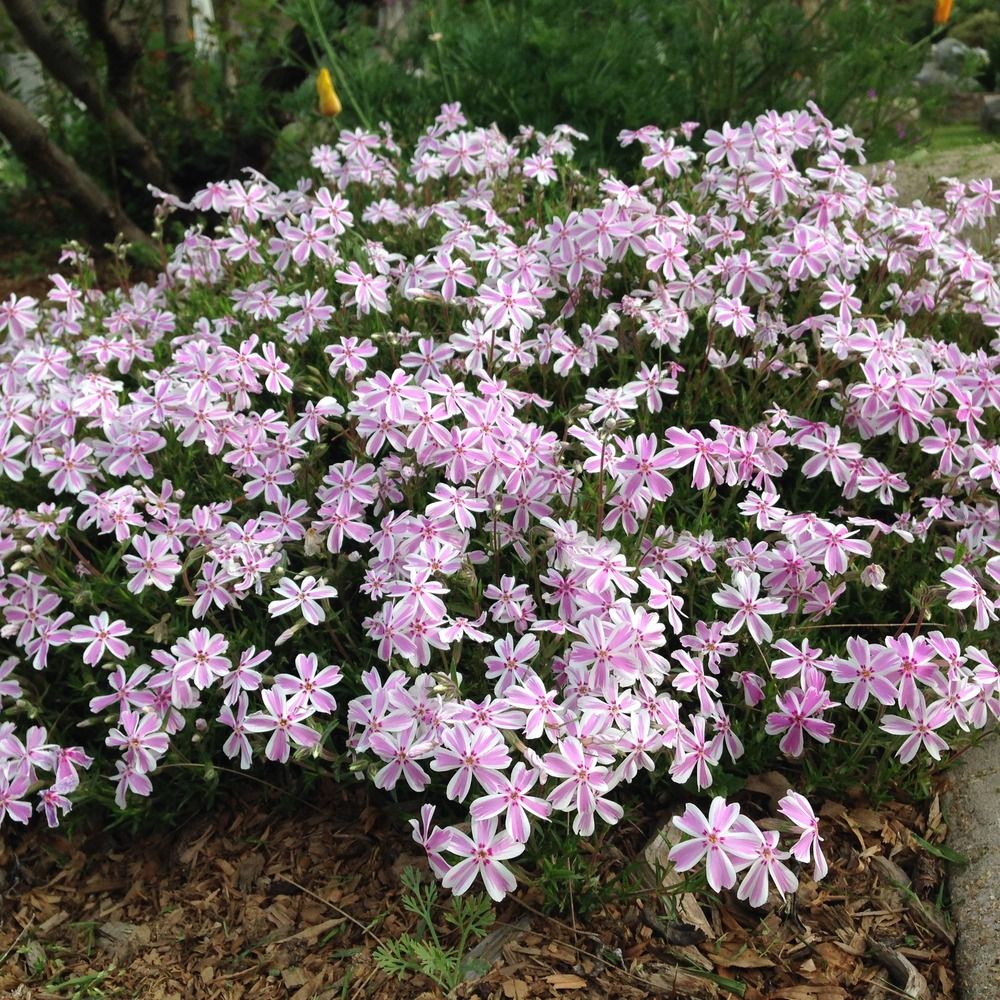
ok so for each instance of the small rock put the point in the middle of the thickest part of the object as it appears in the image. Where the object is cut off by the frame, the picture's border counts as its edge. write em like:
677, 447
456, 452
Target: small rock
122, 940
953, 56
932, 75
34, 958
952, 66
248, 871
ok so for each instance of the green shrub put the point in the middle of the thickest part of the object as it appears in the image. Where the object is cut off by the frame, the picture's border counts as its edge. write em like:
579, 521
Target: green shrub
605, 65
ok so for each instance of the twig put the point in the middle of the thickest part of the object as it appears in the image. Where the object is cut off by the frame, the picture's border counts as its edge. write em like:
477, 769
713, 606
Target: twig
337, 909
885, 625
698, 975
24, 930
558, 923
256, 780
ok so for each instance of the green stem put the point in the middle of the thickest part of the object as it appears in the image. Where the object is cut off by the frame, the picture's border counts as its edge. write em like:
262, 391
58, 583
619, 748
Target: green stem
334, 66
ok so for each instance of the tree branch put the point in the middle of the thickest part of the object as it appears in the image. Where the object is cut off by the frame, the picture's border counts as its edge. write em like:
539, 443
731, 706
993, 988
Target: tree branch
40, 154
58, 55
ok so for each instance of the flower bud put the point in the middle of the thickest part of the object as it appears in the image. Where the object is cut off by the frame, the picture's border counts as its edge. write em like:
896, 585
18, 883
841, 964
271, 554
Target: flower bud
873, 576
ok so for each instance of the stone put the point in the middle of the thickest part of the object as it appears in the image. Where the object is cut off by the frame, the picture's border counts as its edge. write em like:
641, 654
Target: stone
953, 66
952, 56
932, 75
122, 940
972, 810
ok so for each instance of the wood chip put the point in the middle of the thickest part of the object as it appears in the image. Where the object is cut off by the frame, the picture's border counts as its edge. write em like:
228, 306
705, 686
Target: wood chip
566, 981
904, 973
244, 919
293, 978
57, 918
515, 989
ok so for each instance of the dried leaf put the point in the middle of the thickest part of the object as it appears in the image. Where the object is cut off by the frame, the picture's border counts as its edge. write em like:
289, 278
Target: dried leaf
248, 871
490, 948
866, 819
773, 784
936, 827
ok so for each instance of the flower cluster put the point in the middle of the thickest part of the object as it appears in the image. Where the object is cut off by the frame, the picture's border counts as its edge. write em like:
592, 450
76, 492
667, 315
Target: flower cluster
573, 478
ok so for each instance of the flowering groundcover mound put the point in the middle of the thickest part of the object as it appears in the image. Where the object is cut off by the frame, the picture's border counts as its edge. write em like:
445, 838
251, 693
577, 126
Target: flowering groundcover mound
505, 485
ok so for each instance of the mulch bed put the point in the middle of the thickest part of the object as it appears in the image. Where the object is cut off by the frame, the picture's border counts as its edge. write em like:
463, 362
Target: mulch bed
32, 231
252, 899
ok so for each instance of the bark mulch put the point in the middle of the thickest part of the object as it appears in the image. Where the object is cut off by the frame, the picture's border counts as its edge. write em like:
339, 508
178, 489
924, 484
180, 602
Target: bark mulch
33, 229
252, 899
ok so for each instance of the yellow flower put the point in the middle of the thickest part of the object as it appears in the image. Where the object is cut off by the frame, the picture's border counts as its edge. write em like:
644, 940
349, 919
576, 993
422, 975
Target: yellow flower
329, 102
942, 11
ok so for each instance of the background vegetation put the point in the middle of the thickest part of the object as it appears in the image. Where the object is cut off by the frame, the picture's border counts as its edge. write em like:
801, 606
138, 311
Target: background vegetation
207, 98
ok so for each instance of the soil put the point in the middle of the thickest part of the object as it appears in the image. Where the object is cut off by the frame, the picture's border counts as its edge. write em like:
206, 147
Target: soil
33, 231
267, 897
29, 248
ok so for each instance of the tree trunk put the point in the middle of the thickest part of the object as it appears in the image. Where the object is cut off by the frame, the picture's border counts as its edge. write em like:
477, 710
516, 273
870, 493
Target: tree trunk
36, 150
117, 31
227, 28
58, 55
179, 39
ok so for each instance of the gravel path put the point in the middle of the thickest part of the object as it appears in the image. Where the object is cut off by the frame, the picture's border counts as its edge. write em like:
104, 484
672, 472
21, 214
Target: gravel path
917, 173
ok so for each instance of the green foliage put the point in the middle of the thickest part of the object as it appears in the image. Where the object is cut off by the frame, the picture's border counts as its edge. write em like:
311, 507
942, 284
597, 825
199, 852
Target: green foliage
605, 65
599, 65
942, 851
469, 917
576, 878
967, 135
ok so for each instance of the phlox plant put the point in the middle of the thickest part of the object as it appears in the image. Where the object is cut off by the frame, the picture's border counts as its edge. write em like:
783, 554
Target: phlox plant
509, 485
